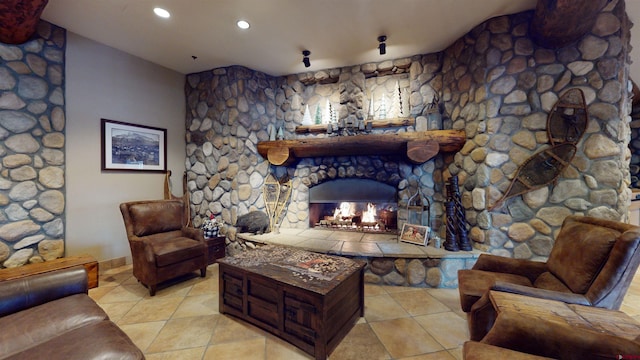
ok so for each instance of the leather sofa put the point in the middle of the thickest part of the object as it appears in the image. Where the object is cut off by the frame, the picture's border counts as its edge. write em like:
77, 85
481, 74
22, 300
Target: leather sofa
51, 316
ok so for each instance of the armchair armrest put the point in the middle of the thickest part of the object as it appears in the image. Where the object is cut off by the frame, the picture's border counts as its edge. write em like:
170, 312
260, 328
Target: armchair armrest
527, 268
569, 298
27, 292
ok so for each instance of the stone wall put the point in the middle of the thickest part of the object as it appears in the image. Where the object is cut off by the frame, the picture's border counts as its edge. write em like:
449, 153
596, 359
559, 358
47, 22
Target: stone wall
494, 83
32, 130
514, 84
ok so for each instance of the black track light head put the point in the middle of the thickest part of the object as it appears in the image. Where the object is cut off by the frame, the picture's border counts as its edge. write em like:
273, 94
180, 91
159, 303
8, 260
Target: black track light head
305, 59
382, 46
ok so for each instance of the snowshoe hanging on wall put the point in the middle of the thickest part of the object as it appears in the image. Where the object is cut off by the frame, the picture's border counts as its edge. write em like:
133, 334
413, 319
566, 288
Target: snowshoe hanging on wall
566, 124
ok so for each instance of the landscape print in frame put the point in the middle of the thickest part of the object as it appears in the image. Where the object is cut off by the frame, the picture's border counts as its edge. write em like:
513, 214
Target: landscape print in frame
131, 147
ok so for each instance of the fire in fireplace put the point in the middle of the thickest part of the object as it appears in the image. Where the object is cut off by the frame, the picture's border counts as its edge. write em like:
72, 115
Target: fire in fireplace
354, 205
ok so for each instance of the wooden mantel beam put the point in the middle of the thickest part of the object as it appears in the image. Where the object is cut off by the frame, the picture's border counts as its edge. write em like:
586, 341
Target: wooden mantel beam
557, 23
418, 147
19, 19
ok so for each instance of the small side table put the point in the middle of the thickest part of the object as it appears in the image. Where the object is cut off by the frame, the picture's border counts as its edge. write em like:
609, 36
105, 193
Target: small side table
216, 246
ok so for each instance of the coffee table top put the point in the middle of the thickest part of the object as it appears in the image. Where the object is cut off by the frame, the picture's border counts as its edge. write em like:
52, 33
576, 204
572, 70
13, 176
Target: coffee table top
312, 271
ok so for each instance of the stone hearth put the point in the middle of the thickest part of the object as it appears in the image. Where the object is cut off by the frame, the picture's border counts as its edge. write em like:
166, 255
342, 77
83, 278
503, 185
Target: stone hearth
388, 260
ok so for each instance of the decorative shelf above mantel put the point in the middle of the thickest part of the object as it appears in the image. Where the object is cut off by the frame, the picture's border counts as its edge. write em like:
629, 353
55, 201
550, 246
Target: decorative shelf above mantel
375, 124
418, 147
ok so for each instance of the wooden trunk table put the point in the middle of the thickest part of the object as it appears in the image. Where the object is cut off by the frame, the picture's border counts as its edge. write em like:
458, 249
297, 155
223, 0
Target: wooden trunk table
310, 300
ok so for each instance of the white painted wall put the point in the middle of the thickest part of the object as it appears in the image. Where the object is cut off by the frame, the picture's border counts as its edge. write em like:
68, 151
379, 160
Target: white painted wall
102, 82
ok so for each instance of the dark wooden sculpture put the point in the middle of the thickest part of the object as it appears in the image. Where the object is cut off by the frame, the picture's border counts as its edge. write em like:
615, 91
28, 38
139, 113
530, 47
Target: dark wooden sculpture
19, 19
566, 124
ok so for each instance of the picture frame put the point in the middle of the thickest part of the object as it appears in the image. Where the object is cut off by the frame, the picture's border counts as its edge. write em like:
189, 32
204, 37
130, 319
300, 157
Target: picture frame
132, 147
414, 234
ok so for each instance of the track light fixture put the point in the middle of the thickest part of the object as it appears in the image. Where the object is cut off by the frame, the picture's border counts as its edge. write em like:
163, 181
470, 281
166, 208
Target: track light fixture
305, 59
382, 46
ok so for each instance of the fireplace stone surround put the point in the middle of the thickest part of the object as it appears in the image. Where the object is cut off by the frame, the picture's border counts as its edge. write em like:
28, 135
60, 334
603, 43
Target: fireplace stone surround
494, 83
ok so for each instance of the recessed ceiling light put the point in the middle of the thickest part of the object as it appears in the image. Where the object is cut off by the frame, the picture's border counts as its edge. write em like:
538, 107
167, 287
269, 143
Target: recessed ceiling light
243, 24
161, 12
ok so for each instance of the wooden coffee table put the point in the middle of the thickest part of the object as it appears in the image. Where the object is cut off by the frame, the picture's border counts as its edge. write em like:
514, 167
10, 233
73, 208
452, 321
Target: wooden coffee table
310, 300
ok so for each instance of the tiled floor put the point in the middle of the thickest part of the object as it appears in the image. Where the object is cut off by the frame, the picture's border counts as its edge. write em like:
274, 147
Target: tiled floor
182, 322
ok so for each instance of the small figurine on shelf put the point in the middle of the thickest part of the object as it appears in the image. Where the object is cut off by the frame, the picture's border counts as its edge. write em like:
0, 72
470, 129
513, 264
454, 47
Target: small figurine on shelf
211, 227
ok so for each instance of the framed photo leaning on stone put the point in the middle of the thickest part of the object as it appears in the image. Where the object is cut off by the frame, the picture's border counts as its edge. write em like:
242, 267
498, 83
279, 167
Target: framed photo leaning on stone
415, 234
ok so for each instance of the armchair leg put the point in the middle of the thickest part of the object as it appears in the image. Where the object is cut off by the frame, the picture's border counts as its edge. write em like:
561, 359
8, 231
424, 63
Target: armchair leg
203, 272
152, 290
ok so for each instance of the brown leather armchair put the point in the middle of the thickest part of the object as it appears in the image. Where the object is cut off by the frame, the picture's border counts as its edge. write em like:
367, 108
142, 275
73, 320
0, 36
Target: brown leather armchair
162, 246
592, 263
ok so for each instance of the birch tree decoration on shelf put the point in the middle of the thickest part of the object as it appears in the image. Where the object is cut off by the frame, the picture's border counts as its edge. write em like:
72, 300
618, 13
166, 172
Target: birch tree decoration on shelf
318, 117
306, 118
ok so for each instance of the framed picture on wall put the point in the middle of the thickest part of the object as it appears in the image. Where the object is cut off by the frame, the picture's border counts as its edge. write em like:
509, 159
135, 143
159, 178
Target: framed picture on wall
415, 234
131, 147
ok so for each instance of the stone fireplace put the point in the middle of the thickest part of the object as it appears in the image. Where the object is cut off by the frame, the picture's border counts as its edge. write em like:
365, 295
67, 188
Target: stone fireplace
494, 83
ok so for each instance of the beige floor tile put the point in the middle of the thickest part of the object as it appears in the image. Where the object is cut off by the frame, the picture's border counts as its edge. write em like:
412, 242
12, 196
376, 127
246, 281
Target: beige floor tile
210, 286
143, 334
245, 349
278, 349
124, 293
114, 279
456, 353
154, 309
419, 302
97, 293
187, 354
118, 310
440, 355
447, 328
390, 289
196, 306
405, 337
229, 329
360, 343
449, 297
184, 333
373, 290
382, 307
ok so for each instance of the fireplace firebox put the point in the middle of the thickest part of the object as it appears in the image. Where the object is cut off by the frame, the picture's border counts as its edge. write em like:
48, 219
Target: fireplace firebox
354, 205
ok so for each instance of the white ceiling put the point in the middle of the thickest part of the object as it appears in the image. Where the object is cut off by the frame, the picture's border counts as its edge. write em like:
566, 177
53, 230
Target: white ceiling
337, 32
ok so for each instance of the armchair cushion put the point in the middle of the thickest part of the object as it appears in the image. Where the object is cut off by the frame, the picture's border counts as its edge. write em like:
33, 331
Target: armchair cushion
548, 281
579, 253
156, 217
176, 250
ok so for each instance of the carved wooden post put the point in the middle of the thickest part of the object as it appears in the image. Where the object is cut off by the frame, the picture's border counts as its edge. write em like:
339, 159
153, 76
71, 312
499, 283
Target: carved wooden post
460, 217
